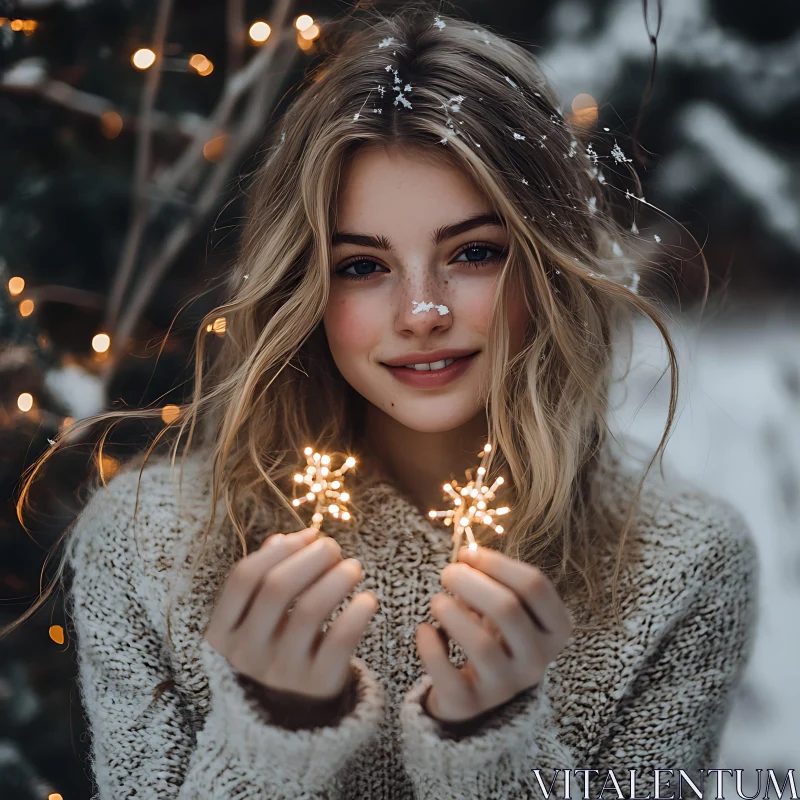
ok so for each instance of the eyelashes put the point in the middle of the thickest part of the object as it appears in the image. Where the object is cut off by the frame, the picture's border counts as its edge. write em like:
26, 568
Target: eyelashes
500, 255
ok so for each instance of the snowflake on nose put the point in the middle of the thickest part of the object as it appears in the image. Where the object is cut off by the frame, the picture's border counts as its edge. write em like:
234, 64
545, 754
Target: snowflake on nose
420, 307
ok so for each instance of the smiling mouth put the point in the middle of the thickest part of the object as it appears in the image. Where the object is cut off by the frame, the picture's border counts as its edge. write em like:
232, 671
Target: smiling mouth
428, 367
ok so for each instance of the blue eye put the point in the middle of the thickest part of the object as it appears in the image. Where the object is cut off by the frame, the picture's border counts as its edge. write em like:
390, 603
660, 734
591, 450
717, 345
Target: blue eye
473, 262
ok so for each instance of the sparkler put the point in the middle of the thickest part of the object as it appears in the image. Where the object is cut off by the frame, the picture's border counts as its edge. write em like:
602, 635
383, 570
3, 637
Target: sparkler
324, 487
470, 507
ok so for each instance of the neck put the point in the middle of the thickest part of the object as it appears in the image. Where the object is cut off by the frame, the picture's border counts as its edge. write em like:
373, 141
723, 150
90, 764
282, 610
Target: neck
419, 463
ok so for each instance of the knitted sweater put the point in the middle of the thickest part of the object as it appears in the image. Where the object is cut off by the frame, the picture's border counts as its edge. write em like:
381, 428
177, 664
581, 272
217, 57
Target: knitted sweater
653, 695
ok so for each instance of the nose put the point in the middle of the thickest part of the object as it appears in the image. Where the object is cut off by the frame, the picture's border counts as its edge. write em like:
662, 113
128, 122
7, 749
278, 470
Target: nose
423, 312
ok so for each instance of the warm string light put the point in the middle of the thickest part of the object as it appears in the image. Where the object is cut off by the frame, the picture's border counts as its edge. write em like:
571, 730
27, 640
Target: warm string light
325, 487
218, 326
26, 26
471, 507
101, 342
25, 402
214, 148
259, 32
202, 65
170, 412
111, 124
143, 58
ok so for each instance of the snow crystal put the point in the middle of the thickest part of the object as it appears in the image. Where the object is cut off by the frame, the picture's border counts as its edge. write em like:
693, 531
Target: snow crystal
619, 155
422, 306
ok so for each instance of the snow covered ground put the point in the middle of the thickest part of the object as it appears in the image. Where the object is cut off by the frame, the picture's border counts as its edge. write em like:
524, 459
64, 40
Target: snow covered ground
737, 434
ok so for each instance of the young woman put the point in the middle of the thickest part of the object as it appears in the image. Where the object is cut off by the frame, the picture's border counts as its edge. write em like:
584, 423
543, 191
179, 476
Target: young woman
428, 265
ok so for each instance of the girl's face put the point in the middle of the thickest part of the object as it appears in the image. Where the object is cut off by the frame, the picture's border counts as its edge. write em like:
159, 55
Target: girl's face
400, 240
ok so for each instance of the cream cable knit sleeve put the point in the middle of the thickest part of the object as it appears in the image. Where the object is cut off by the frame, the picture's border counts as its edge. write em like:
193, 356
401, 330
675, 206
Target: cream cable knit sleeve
670, 716
146, 748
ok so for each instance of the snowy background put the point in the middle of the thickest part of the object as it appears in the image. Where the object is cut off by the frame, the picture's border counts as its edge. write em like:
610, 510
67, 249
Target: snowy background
738, 435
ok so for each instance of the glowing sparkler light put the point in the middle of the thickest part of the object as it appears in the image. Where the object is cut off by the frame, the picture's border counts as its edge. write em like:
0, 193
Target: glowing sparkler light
470, 507
323, 487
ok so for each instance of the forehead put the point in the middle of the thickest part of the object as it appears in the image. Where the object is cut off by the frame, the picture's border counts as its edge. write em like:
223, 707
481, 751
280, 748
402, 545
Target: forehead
405, 186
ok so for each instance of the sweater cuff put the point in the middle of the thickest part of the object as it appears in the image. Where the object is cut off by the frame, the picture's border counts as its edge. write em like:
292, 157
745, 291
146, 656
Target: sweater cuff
295, 711
305, 758
456, 731
483, 757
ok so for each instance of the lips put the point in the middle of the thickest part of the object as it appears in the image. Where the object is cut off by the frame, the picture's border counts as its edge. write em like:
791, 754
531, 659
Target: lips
430, 357
430, 379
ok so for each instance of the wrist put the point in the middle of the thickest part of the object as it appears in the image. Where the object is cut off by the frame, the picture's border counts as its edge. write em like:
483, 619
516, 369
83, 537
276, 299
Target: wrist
298, 711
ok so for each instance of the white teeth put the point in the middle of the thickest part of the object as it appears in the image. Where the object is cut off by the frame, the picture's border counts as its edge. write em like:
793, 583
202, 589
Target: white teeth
434, 366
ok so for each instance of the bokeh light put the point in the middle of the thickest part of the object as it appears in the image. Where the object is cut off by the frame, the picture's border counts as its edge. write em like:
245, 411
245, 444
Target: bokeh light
170, 413
259, 32
144, 58
584, 110
310, 33
214, 149
201, 64
111, 124
101, 342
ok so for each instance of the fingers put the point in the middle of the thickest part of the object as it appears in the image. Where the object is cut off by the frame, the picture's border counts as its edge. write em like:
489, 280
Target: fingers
281, 584
501, 606
434, 654
239, 590
345, 632
302, 628
483, 650
532, 586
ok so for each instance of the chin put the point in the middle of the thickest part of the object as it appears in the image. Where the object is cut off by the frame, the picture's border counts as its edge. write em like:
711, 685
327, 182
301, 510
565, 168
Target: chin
432, 415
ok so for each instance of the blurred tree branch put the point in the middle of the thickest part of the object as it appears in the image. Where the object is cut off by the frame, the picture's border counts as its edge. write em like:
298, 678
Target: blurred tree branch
181, 179
140, 204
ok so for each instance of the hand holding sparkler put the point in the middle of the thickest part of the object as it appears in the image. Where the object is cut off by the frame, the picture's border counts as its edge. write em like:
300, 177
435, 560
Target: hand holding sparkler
269, 619
511, 623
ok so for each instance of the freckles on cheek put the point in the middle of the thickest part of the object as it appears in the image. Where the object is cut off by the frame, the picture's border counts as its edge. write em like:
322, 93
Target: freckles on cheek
352, 324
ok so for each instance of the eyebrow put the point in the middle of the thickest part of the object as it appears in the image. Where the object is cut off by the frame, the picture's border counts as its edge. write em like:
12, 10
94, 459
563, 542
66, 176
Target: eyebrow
437, 237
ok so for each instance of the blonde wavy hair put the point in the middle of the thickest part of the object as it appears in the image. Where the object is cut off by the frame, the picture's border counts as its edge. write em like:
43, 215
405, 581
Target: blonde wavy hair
480, 102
